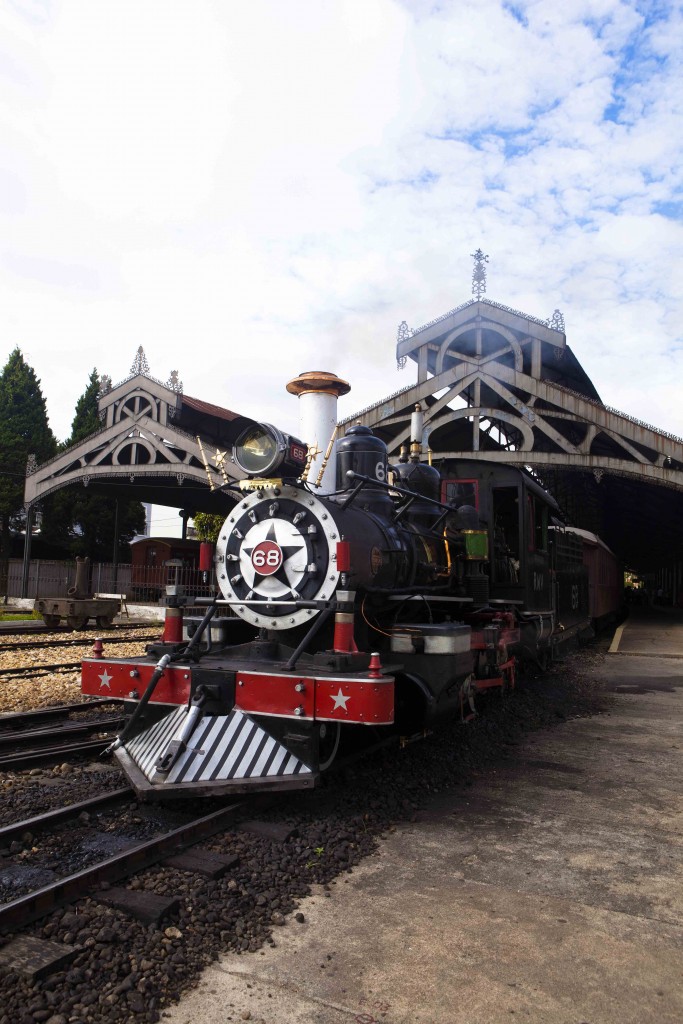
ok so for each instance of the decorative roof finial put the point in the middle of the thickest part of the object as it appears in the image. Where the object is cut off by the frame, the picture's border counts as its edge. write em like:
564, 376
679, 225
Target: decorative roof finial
556, 321
479, 273
174, 384
403, 332
140, 364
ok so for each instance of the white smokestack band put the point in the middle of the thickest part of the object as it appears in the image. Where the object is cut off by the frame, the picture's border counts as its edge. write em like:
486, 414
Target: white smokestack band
318, 392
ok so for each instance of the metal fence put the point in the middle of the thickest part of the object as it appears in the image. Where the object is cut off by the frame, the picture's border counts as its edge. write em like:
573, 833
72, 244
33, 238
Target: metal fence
52, 579
139, 583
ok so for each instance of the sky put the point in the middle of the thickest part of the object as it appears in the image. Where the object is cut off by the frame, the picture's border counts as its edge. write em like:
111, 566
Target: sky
254, 188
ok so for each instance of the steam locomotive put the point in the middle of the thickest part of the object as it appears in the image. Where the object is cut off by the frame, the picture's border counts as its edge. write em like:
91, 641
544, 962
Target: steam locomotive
353, 616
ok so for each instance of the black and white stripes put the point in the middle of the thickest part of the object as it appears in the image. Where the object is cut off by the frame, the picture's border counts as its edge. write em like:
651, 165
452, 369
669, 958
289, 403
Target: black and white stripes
221, 748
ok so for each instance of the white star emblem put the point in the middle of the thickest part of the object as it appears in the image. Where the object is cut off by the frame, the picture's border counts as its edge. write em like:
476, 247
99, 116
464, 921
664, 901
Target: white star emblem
339, 700
105, 680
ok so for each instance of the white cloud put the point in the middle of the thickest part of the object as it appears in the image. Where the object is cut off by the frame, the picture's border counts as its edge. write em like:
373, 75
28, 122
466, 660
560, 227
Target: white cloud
251, 190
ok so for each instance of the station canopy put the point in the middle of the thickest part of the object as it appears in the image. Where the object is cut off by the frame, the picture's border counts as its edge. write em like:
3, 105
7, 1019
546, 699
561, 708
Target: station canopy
494, 383
501, 385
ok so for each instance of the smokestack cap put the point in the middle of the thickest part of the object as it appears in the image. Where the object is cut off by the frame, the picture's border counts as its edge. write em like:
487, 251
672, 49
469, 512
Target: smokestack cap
318, 382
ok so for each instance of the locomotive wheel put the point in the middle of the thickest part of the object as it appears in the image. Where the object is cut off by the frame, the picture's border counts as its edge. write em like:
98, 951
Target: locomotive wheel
104, 621
51, 621
77, 621
328, 744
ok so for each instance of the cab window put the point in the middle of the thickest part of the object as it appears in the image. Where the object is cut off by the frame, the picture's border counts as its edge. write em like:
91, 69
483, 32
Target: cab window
460, 492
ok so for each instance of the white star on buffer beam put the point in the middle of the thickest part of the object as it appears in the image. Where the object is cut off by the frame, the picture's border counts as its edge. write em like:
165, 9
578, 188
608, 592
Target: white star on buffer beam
339, 700
105, 680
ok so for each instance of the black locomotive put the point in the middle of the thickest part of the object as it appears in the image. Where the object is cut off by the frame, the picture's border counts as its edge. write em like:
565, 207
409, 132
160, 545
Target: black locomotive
365, 613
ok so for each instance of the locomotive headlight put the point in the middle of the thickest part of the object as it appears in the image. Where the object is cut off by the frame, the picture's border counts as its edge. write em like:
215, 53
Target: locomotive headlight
263, 450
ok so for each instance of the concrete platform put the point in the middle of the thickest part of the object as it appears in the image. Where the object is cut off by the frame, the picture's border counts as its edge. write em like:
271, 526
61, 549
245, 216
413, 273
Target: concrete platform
551, 891
650, 631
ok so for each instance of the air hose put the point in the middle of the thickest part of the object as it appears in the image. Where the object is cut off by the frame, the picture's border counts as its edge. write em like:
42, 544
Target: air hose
159, 670
127, 729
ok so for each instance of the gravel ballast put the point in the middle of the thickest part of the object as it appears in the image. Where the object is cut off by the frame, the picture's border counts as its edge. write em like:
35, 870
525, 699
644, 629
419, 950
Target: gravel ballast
27, 693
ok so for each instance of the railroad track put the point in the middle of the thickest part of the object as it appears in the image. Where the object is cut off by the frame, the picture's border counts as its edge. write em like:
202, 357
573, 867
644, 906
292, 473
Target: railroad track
39, 628
206, 883
26, 742
14, 655
25, 719
40, 645
31, 676
135, 858
33, 671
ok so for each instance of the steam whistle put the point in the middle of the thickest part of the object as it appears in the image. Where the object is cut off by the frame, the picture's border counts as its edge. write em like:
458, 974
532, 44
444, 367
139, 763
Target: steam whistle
416, 431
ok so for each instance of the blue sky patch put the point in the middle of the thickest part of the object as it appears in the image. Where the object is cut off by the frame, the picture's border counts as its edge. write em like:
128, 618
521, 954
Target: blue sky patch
671, 208
517, 13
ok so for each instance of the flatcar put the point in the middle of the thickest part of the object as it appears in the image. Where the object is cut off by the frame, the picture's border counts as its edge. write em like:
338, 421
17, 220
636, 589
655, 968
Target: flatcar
349, 617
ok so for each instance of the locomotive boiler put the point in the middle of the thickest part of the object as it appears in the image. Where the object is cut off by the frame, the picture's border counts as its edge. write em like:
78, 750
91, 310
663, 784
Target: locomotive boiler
351, 613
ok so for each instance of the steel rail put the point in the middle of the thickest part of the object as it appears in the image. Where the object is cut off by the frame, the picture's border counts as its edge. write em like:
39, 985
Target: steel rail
16, 739
39, 645
31, 758
12, 718
31, 670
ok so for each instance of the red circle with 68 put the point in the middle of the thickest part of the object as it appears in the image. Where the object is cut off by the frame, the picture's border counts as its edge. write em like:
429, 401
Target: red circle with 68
266, 557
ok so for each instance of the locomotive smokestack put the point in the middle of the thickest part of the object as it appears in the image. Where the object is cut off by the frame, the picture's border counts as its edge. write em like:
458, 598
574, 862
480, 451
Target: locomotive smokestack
318, 392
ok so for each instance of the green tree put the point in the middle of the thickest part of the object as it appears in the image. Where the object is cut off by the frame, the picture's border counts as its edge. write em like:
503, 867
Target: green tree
208, 525
86, 417
93, 518
24, 431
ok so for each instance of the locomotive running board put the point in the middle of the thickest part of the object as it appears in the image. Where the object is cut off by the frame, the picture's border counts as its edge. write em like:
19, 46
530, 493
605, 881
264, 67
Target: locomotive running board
226, 754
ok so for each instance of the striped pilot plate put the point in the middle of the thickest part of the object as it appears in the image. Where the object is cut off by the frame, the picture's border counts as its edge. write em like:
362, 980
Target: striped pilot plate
220, 748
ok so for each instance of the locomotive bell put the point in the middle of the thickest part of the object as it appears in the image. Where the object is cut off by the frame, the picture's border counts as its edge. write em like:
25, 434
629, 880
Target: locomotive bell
262, 450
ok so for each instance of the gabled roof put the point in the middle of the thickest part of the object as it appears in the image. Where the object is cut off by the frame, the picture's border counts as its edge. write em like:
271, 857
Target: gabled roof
155, 443
216, 424
480, 327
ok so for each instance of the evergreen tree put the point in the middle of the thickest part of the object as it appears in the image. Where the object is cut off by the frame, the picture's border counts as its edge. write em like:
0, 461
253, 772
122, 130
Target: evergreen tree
24, 431
92, 517
86, 418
